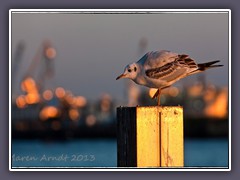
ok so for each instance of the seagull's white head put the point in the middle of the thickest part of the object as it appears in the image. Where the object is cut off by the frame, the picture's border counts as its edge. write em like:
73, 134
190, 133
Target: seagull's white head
130, 71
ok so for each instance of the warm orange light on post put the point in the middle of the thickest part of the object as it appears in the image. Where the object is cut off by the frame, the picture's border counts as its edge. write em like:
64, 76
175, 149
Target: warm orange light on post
150, 136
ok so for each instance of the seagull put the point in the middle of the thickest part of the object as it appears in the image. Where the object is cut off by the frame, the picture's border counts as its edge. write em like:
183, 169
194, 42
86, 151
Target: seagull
161, 69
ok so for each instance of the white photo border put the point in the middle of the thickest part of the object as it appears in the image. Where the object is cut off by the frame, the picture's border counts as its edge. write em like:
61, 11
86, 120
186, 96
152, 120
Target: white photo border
119, 11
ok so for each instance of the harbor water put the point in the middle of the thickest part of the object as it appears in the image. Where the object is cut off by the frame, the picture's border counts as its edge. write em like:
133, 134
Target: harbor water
205, 152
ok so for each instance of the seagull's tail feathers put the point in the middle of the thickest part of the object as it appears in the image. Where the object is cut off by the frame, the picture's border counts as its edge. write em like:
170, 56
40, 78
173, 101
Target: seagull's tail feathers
204, 66
208, 65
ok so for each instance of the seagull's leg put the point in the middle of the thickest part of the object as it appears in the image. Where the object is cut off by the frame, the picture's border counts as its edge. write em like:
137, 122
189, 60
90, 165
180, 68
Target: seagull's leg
159, 94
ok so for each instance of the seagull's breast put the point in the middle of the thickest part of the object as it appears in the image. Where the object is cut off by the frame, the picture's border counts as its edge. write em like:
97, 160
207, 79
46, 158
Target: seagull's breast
141, 80
150, 82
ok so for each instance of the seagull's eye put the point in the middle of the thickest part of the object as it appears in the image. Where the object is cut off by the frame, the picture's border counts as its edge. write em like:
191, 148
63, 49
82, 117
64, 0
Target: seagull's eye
135, 69
129, 70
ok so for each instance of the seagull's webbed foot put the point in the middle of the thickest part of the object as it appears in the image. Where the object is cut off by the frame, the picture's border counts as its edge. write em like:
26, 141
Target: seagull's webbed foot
157, 95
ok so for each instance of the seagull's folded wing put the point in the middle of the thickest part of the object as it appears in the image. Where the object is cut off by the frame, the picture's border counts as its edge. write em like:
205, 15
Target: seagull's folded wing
181, 67
156, 59
169, 72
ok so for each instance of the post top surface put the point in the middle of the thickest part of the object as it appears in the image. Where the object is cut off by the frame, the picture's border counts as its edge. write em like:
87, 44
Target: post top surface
165, 107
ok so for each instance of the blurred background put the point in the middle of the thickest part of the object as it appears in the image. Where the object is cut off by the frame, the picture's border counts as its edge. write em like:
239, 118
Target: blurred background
64, 92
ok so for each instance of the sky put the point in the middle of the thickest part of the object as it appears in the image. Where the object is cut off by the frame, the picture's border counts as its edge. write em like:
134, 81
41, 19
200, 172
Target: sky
93, 49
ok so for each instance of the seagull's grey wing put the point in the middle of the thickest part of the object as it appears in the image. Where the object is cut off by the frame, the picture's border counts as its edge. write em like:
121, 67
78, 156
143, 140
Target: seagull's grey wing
155, 59
173, 71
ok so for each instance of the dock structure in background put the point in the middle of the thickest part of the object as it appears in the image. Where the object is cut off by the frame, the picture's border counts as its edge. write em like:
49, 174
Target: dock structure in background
150, 136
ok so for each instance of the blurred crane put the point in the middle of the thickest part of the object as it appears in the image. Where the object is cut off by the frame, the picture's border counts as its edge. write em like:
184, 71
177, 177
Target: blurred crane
17, 59
49, 103
40, 69
42, 65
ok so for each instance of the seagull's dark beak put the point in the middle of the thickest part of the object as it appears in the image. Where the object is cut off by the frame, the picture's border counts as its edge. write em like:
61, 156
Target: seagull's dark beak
121, 76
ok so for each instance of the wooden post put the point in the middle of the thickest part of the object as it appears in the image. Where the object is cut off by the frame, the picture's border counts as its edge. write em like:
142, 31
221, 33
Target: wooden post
150, 136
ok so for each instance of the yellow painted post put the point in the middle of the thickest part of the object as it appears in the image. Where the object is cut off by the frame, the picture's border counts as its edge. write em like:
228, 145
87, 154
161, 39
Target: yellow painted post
172, 144
150, 136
